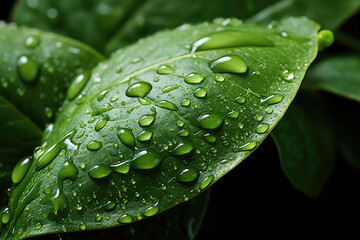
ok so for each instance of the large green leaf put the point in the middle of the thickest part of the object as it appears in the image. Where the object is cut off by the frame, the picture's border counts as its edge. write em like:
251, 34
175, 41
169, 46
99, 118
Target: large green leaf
306, 144
127, 20
328, 13
339, 75
160, 122
35, 70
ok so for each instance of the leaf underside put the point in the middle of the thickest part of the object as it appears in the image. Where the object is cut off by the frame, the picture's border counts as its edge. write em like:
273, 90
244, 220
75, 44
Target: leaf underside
148, 134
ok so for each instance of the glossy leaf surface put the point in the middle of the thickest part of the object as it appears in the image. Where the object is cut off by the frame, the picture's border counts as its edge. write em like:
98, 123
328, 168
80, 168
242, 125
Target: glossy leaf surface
160, 122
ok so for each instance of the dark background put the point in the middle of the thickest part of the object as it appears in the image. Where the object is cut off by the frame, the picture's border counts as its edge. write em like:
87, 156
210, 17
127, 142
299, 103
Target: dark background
256, 199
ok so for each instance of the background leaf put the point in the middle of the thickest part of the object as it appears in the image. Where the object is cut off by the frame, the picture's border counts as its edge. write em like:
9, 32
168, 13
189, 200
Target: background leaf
35, 71
329, 14
306, 144
160, 125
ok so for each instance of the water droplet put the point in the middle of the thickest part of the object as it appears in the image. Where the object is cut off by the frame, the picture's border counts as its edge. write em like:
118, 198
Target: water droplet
183, 149
262, 128
102, 95
139, 89
240, 99
110, 205
219, 78
32, 41
228, 64
101, 123
146, 120
210, 138
169, 89
49, 154
151, 211
324, 39
205, 182
21, 169
165, 69
28, 69
125, 219
99, 171
194, 78
246, 147
38, 226
230, 39
187, 175
146, 159
288, 75
184, 133
273, 99
144, 136
82, 226
123, 167
68, 171
200, 92
185, 102
77, 84
98, 218
58, 201
5, 216
210, 120
94, 145
234, 114
167, 105
127, 137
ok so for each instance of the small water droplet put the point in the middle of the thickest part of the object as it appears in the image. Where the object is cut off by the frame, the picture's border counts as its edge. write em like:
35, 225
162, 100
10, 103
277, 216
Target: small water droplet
68, 171
82, 226
210, 138
146, 159
151, 211
139, 89
246, 147
21, 169
184, 133
99, 171
210, 121
194, 78
219, 78
102, 95
144, 136
123, 167
169, 88
28, 69
49, 154
146, 120
38, 226
94, 145
98, 218
228, 64
262, 128
109, 205
288, 75
125, 219
165, 69
32, 41
187, 175
167, 105
234, 114
185, 102
273, 99
183, 149
127, 137
101, 123
77, 84
5, 216
205, 182
200, 92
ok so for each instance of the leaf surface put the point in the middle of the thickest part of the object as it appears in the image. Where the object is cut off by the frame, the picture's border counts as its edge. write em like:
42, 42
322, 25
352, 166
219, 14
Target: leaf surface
160, 122
35, 70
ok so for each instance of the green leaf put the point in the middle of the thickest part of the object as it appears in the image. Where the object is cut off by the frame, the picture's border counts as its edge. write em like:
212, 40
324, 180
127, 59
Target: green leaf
339, 75
306, 145
124, 21
35, 70
91, 22
328, 13
162, 120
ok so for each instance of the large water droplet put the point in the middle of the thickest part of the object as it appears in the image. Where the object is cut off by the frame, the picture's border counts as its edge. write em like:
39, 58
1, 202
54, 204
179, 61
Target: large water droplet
200, 92
68, 171
101, 123
99, 171
230, 39
205, 182
49, 154
127, 137
194, 78
146, 120
210, 120
28, 68
262, 128
185, 102
123, 167
94, 145
288, 75
125, 219
77, 84
246, 147
109, 205
146, 159
5, 215
183, 149
167, 105
32, 41
144, 136
228, 64
273, 99
210, 138
187, 175
165, 69
139, 89
151, 211
21, 169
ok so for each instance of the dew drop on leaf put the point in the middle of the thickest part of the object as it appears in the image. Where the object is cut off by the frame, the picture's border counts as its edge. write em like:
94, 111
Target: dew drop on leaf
94, 145
183, 149
139, 89
205, 182
99, 171
144, 136
146, 159
21, 169
228, 64
77, 84
187, 175
262, 128
246, 147
146, 120
194, 78
167, 105
5, 215
210, 120
165, 69
125, 219
28, 69
126, 137
200, 92
151, 211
